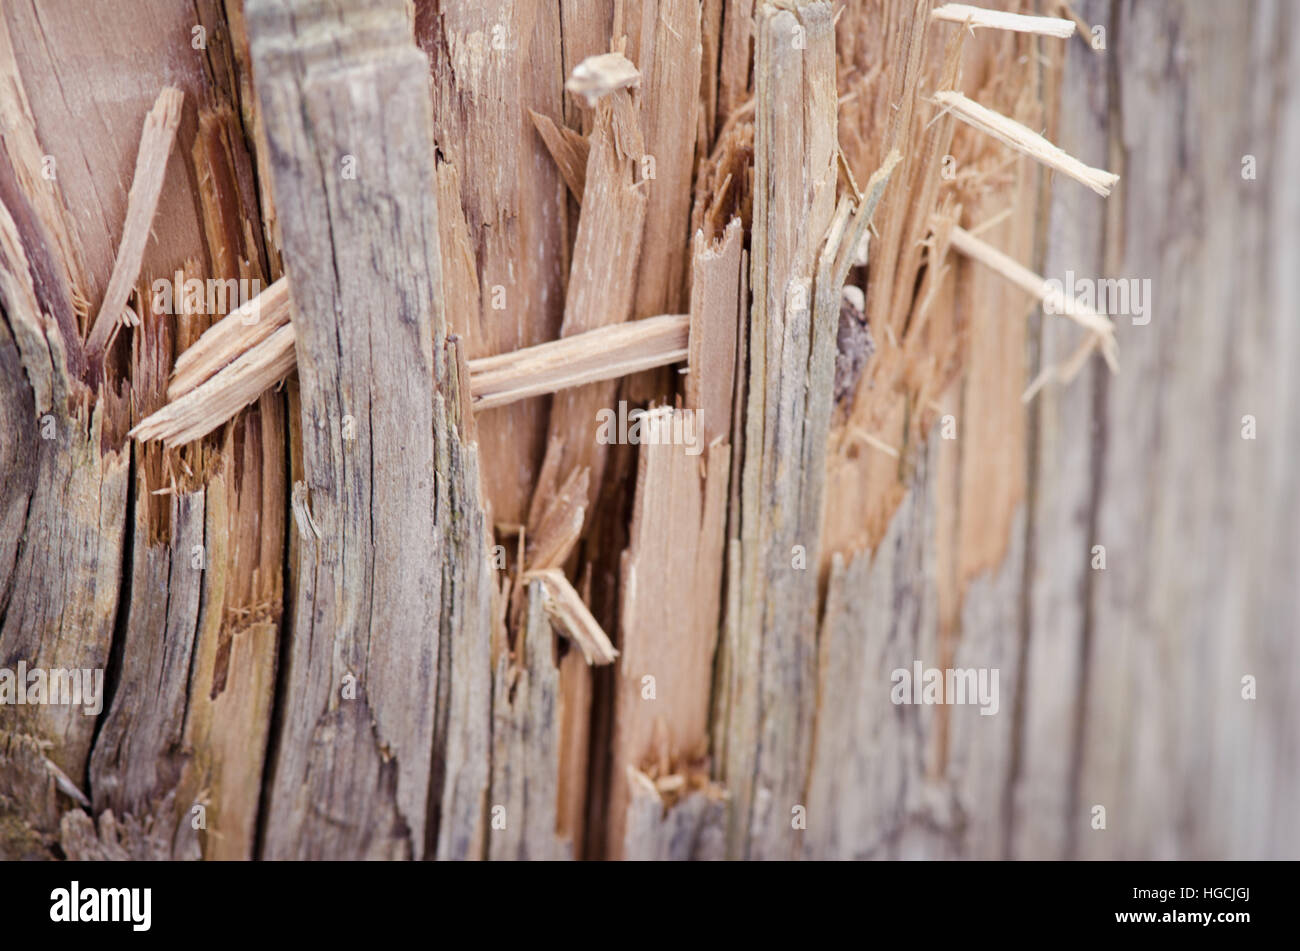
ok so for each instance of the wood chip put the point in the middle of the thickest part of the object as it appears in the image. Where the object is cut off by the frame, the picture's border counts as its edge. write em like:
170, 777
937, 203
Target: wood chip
598, 76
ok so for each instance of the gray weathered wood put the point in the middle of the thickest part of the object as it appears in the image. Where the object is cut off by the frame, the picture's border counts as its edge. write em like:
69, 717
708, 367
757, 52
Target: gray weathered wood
344, 97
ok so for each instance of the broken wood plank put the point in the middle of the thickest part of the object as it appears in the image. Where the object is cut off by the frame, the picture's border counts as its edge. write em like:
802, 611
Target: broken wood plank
671, 595
671, 604
770, 648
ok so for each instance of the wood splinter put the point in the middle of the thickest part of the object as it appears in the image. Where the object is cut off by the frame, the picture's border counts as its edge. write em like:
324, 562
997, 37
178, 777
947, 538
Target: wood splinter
973, 17
141, 203
570, 616
233, 363
1102, 328
1025, 140
235, 334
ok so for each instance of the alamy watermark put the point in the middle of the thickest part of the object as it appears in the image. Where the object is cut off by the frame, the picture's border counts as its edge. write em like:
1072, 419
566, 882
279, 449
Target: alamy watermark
959, 685
83, 687
662, 426
214, 297
1110, 297
74, 904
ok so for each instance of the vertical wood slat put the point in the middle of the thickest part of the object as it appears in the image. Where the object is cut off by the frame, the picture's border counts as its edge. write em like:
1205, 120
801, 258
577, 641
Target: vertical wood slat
770, 653
344, 96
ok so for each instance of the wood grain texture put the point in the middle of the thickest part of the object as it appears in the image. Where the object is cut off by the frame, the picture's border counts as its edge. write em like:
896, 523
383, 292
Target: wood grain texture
65, 201
660, 829
1120, 687
81, 46
490, 64
472, 626
1201, 550
664, 43
526, 736
422, 702
772, 649
672, 582
353, 764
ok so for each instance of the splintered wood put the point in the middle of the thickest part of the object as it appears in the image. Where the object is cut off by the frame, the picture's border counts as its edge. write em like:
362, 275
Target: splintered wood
603, 354
252, 348
1052, 296
769, 653
1012, 133
230, 338
146, 185
592, 441
602, 280
570, 616
968, 15
217, 399
359, 611
672, 568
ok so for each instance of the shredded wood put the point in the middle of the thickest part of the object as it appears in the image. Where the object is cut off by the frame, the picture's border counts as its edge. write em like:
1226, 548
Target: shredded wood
1024, 140
570, 616
141, 203
241, 362
233, 335
973, 17
216, 400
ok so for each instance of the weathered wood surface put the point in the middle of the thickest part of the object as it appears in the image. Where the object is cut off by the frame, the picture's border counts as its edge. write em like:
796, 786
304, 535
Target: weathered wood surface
1200, 525
196, 735
423, 704
1120, 687
345, 105
771, 655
